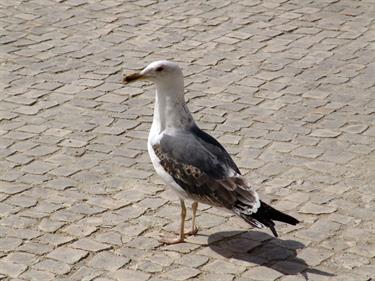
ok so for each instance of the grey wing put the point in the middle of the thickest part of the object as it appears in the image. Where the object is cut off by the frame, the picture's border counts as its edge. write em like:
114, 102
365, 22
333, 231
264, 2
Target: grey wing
203, 176
212, 145
199, 149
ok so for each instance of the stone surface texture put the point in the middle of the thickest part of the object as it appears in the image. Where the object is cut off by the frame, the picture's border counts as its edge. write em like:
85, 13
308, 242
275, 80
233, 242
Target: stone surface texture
287, 86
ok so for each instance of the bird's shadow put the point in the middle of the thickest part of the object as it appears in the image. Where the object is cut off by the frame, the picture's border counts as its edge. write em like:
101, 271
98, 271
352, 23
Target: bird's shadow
259, 248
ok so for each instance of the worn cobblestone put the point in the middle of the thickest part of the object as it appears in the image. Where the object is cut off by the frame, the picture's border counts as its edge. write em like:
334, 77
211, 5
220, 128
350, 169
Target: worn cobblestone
287, 86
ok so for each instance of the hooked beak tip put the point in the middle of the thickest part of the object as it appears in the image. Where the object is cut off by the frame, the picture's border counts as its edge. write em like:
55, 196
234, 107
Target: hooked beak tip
131, 77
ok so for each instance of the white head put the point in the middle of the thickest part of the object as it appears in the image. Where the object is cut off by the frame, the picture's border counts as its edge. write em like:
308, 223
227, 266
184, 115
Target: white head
163, 73
171, 110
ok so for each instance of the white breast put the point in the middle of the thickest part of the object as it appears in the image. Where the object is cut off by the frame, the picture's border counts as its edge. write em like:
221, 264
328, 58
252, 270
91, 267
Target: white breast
154, 139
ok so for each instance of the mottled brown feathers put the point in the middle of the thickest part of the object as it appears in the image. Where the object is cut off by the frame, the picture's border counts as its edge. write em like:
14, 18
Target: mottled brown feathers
226, 192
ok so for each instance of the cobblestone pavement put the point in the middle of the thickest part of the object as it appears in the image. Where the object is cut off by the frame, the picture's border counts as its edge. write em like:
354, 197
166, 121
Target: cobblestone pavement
287, 86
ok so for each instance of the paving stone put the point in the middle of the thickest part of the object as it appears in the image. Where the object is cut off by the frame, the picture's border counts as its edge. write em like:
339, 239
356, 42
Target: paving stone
262, 274
230, 139
341, 157
39, 167
36, 275
143, 243
366, 270
80, 230
55, 239
65, 171
86, 273
224, 267
293, 278
192, 260
90, 245
340, 218
272, 169
255, 143
20, 159
70, 89
110, 130
314, 257
364, 250
6, 209
250, 163
182, 273
33, 179
112, 238
108, 261
33, 128
213, 276
28, 110
19, 136
36, 248
41, 151
361, 149
149, 267
270, 252
288, 267
350, 261
308, 152
181, 248
66, 216
313, 118
315, 94
311, 208
325, 133
21, 258
9, 244
53, 266
11, 269
103, 279
132, 253
283, 147
61, 183
73, 143
355, 129
47, 225
164, 259
370, 132
67, 255
22, 201
295, 110
319, 230
57, 132
126, 274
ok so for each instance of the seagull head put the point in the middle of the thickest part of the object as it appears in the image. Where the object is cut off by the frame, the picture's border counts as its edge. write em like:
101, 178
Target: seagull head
160, 72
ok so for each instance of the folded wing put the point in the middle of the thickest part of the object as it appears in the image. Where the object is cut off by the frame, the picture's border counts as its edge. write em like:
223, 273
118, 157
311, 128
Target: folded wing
205, 170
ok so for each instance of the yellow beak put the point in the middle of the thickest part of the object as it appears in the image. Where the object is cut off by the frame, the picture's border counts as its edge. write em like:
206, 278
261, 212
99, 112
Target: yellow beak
132, 77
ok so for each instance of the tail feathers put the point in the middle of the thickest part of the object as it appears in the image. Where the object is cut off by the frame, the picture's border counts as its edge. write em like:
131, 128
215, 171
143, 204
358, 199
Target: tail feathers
265, 215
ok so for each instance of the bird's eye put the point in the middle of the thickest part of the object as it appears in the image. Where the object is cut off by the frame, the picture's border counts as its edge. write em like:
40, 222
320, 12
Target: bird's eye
160, 68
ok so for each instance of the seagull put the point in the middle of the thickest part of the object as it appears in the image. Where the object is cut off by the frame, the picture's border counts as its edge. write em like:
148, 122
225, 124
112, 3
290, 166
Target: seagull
193, 163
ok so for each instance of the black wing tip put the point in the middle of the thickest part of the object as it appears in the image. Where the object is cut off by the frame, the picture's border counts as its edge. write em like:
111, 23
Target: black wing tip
287, 219
293, 221
273, 229
268, 212
279, 216
266, 215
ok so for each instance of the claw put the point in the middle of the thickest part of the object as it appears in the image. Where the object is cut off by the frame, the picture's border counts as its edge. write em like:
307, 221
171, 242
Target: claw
192, 232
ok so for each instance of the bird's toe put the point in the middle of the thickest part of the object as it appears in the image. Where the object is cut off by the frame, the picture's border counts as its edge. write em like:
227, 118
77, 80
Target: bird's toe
171, 241
192, 232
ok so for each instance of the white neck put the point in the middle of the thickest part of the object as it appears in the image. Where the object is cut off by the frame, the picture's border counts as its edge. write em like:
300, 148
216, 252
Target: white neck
171, 111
